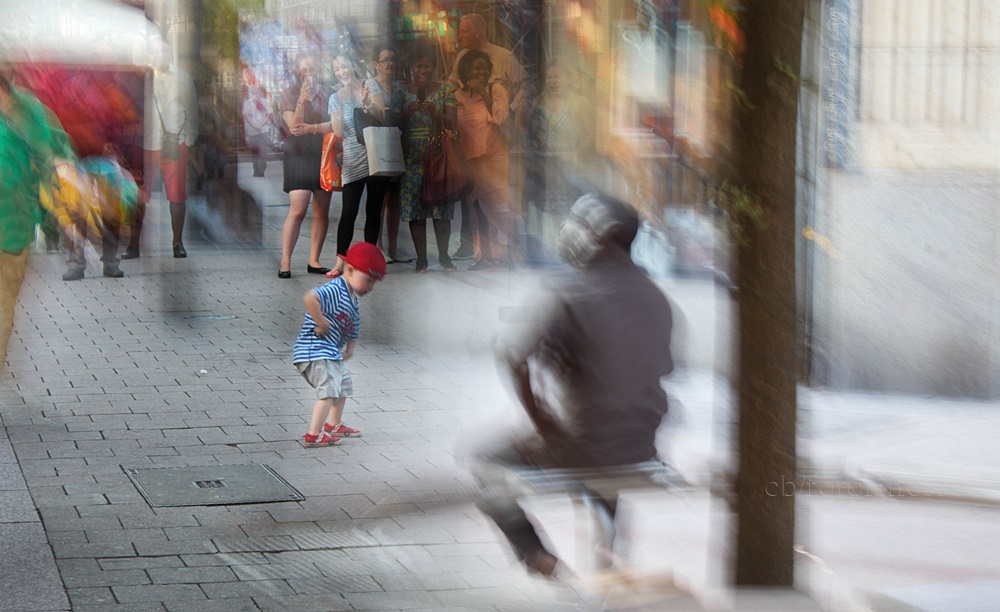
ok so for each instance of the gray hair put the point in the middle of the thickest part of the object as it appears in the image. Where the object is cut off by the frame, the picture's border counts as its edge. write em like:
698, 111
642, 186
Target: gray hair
596, 222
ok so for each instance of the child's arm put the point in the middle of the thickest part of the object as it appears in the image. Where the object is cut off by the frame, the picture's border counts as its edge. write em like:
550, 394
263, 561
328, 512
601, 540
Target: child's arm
311, 300
349, 349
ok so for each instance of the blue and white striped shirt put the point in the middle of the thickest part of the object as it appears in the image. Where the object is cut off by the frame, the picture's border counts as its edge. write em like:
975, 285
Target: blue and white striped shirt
341, 310
355, 165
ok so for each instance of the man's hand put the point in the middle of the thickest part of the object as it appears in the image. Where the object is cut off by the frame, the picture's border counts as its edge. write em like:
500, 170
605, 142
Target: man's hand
542, 418
307, 92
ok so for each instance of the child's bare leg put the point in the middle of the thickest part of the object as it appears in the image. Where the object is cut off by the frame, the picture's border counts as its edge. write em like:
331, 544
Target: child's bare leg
336, 412
320, 410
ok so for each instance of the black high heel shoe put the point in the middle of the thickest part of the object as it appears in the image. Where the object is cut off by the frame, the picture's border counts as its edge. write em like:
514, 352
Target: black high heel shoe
316, 270
284, 273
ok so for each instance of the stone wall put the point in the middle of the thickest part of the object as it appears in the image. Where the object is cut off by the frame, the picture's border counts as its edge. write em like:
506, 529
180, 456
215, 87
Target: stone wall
906, 297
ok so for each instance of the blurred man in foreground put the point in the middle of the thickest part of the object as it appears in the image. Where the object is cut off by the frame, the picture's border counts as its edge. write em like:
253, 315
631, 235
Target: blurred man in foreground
31, 140
605, 343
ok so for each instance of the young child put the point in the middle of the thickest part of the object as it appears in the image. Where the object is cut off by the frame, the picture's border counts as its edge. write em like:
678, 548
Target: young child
327, 340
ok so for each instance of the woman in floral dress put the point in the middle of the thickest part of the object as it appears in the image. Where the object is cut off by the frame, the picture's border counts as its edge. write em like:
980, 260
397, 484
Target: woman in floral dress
423, 105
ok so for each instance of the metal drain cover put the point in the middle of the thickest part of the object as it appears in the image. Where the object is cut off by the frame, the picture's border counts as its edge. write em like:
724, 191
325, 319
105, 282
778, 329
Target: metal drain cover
214, 485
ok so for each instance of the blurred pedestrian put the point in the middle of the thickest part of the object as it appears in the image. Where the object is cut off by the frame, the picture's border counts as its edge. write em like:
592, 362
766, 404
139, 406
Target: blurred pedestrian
560, 130
508, 71
354, 174
604, 343
31, 143
106, 197
303, 110
171, 127
257, 126
383, 91
483, 106
214, 139
425, 105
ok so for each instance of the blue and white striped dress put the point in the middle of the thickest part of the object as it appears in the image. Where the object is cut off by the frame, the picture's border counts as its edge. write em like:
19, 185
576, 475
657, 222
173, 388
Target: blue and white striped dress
355, 154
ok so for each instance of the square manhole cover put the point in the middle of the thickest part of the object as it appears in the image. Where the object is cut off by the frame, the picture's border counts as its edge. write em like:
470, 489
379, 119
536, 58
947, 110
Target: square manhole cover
214, 485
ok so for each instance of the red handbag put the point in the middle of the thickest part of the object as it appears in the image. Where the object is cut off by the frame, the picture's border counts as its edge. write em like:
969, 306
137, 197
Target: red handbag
447, 177
329, 165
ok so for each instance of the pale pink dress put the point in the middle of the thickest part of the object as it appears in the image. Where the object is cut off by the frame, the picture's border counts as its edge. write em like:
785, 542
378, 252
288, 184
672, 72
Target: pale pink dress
488, 159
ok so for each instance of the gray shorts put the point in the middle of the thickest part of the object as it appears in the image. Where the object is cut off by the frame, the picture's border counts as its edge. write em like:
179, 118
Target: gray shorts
330, 378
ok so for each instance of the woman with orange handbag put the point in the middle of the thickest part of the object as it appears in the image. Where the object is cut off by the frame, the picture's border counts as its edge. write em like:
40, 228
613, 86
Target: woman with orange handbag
302, 107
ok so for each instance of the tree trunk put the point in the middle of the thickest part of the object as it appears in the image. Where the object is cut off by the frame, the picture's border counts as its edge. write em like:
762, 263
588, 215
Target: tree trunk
765, 164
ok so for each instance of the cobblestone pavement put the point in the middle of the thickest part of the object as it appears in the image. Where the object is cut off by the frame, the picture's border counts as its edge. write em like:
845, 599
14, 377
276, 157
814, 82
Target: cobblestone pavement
187, 363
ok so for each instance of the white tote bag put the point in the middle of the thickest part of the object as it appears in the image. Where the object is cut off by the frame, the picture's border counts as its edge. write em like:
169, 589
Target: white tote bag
385, 151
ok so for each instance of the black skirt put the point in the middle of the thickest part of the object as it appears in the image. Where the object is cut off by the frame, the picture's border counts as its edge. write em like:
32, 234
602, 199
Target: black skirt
301, 162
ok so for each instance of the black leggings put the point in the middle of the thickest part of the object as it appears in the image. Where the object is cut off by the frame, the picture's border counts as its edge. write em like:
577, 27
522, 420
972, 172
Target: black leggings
351, 196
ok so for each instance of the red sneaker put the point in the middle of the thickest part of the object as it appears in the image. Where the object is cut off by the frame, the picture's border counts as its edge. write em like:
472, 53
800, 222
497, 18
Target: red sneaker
342, 430
312, 441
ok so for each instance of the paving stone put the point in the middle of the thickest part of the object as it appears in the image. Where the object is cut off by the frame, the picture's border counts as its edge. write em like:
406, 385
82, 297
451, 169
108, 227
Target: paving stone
78, 565
191, 575
255, 588
60, 436
93, 596
99, 578
440, 520
334, 540
161, 519
222, 605
335, 584
145, 607
35, 577
59, 498
479, 533
398, 600
204, 533
277, 571
479, 597
326, 602
298, 515
456, 564
123, 536
16, 506
67, 537
264, 544
427, 580
260, 528
139, 563
158, 593
181, 547
229, 559
400, 536
466, 550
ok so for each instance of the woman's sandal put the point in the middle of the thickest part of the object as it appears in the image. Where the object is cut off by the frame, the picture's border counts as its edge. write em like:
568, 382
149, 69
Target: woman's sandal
334, 273
421, 267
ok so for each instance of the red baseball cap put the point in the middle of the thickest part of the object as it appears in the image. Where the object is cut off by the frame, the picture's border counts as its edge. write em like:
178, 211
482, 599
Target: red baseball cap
367, 259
